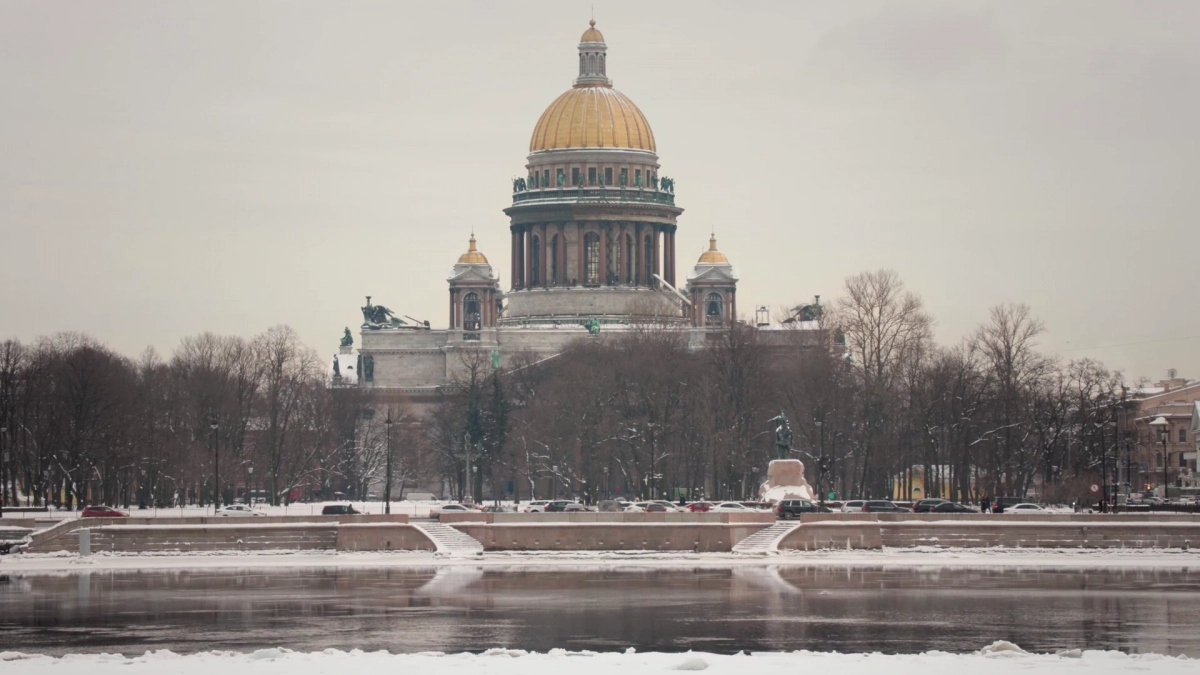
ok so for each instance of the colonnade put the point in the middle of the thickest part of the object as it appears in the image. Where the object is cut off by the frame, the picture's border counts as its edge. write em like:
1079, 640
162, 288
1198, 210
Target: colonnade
607, 253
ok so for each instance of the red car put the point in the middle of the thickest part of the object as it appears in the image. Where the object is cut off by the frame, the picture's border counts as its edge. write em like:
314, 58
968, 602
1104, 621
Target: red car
102, 512
700, 507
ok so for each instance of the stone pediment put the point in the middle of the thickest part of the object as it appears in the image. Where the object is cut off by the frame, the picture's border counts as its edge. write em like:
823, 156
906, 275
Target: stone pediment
713, 274
471, 272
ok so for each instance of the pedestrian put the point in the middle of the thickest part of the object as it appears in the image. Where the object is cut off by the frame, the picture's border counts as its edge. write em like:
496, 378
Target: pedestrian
983, 505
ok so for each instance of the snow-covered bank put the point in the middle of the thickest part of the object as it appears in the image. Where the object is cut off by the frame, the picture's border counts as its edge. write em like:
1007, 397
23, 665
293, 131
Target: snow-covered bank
998, 659
990, 558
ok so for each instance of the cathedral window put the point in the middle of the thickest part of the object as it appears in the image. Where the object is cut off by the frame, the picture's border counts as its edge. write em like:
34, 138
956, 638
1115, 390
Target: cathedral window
602, 64
576, 176
581, 64
591, 251
612, 274
546, 178
608, 175
591, 175
472, 317
591, 63
637, 177
712, 310
624, 177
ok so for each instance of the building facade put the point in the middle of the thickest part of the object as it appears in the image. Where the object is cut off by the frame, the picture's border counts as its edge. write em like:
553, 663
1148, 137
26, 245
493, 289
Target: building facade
593, 226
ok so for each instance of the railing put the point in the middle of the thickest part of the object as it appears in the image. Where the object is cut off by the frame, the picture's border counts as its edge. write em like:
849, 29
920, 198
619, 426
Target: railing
586, 194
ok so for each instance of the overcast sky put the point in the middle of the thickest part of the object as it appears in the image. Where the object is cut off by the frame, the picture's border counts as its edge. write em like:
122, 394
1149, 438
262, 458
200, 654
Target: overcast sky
168, 168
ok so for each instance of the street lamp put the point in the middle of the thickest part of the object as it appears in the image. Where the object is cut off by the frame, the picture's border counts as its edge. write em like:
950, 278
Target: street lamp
3, 464
387, 479
1163, 426
250, 493
216, 466
822, 462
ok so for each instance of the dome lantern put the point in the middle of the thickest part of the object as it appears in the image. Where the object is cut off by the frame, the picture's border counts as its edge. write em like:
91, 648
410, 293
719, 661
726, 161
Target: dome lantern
472, 256
712, 256
592, 67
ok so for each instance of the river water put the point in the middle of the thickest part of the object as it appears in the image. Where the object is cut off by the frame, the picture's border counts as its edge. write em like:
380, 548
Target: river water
452, 609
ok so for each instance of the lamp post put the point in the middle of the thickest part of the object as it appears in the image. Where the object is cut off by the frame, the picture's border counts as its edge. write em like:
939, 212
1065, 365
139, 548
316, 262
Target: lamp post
554, 482
3, 465
250, 492
216, 466
387, 479
1163, 426
822, 462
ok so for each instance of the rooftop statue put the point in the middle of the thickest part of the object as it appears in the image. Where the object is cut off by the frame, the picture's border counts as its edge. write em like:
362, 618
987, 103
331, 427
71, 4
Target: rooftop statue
654, 181
593, 326
668, 185
378, 314
347, 338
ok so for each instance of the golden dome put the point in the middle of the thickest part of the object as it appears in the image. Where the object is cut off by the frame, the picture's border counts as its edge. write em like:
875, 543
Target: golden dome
591, 34
712, 255
472, 256
592, 117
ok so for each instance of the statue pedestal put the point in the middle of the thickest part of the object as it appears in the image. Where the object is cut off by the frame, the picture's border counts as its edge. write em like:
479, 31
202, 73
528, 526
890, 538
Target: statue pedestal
785, 480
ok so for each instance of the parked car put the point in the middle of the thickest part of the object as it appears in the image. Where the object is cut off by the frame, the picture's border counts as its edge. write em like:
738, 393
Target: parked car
336, 510
536, 506
238, 510
927, 505
700, 507
498, 508
1024, 507
792, 508
564, 506
102, 512
881, 506
452, 508
1001, 504
951, 507
853, 506
729, 506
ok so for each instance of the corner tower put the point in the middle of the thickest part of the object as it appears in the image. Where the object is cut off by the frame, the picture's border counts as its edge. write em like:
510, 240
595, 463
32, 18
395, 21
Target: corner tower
592, 222
474, 292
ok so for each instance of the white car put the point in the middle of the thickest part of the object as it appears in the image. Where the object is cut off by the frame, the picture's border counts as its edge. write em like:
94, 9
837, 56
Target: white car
451, 508
536, 506
1024, 508
238, 510
853, 506
729, 506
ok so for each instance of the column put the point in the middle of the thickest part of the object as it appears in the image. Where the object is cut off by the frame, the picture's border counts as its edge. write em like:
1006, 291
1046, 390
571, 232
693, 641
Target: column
603, 254
624, 271
654, 251
732, 307
528, 255
637, 254
543, 257
451, 324
581, 264
563, 278
671, 257
519, 274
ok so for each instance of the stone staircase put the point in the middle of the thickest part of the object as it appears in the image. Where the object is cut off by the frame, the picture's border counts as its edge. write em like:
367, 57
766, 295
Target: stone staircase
766, 539
449, 540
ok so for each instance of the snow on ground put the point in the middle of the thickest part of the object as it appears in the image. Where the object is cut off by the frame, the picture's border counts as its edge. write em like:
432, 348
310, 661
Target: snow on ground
991, 558
1000, 658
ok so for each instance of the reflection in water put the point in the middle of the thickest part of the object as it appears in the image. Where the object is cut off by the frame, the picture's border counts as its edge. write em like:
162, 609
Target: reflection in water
473, 608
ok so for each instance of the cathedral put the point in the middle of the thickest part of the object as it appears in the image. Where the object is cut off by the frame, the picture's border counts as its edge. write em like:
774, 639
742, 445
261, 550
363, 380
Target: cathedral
592, 230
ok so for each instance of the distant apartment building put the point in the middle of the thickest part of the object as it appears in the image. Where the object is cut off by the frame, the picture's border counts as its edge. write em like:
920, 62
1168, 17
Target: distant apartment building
1165, 451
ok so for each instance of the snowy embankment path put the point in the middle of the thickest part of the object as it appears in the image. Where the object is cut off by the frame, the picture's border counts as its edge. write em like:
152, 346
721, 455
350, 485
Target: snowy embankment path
998, 659
990, 558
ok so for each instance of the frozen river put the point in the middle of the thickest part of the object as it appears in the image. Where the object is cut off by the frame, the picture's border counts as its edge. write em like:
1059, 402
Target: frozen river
826, 608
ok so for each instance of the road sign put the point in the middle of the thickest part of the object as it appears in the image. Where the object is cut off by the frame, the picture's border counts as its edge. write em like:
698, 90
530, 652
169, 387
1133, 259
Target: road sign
1095, 488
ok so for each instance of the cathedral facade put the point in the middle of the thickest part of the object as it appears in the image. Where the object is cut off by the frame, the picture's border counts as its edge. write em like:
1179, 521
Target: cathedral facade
593, 226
